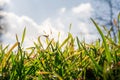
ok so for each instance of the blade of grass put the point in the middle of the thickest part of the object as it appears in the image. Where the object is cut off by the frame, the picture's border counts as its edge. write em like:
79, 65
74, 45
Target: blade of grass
50, 73
17, 38
108, 55
64, 42
39, 41
23, 35
87, 53
8, 54
119, 29
49, 43
118, 21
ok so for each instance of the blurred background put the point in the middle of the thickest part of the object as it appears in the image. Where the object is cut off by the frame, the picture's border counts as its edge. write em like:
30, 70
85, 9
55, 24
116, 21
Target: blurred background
49, 17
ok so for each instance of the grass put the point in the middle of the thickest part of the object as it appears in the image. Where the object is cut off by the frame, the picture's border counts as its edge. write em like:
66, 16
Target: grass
70, 60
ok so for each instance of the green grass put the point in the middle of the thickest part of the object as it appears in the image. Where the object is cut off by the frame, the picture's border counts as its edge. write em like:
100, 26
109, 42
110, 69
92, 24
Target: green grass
70, 60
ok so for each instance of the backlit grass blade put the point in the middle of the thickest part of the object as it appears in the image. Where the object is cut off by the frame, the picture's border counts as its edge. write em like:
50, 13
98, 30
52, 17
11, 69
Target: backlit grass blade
119, 37
118, 21
49, 43
119, 28
64, 42
7, 55
23, 35
70, 27
50, 73
75, 54
108, 55
39, 41
78, 43
17, 38
92, 59
41, 73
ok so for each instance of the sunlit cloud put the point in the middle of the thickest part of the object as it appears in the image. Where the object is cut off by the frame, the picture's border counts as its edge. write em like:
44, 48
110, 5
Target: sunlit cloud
84, 8
62, 10
50, 26
4, 2
18, 23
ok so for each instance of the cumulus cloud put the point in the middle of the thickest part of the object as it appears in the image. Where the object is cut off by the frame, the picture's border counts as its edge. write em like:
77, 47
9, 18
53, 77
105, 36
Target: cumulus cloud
62, 10
18, 23
81, 24
4, 2
84, 8
51, 26
79, 16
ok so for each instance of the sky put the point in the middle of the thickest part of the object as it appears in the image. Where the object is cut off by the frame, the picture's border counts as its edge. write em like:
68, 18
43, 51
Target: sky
48, 17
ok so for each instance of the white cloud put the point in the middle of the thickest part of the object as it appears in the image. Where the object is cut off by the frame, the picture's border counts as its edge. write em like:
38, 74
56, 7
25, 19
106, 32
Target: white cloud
4, 2
17, 24
62, 10
51, 25
79, 17
83, 28
84, 8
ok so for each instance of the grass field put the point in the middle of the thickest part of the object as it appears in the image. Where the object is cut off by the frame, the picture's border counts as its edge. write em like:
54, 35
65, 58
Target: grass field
70, 60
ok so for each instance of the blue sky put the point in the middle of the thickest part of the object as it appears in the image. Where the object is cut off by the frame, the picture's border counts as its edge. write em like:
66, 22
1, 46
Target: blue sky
48, 17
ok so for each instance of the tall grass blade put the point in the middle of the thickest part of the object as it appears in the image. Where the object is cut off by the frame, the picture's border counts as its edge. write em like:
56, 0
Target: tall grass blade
119, 28
119, 21
39, 41
17, 38
7, 55
64, 42
23, 35
108, 55
93, 60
